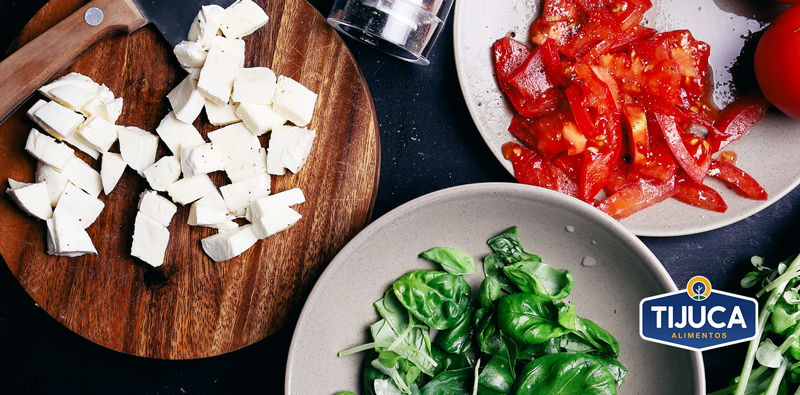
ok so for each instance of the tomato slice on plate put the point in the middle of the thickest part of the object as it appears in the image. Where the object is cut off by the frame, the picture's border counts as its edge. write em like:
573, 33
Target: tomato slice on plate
510, 57
696, 162
636, 196
735, 178
699, 195
533, 169
737, 118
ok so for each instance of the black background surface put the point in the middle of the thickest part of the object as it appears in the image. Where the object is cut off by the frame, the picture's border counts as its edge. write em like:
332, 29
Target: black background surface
428, 142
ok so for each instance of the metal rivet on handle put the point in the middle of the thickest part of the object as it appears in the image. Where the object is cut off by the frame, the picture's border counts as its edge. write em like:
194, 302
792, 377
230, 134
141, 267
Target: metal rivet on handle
93, 16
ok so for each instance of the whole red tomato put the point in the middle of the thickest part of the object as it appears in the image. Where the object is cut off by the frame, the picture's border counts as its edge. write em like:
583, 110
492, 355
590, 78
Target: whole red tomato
777, 59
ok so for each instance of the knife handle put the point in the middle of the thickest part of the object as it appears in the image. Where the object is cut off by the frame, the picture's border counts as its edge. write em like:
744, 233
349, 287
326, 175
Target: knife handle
32, 65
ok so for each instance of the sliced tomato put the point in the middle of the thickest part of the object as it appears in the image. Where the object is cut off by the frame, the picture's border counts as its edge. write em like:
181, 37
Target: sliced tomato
675, 141
533, 169
737, 118
560, 20
509, 55
619, 179
600, 30
636, 196
638, 138
735, 178
628, 13
530, 78
659, 162
571, 164
699, 195
579, 111
631, 35
728, 157
545, 134
552, 63
691, 56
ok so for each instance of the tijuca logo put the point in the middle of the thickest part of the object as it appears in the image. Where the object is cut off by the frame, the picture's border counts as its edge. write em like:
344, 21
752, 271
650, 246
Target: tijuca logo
698, 318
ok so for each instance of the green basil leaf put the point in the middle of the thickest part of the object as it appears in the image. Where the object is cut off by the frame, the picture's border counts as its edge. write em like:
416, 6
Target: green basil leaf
446, 362
346, 393
750, 279
386, 387
602, 337
388, 358
497, 377
487, 333
456, 382
488, 292
565, 374
567, 317
436, 298
508, 248
493, 267
617, 370
541, 279
370, 373
452, 261
532, 351
528, 318
574, 343
392, 311
457, 338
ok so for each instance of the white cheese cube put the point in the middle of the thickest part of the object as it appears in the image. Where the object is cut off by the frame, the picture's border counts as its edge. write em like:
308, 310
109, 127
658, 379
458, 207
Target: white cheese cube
70, 238
54, 179
51, 237
174, 133
229, 244
276, 221
58, 120
190, 54
234, 140
79, 205
92, 108
32, 199
75, 79
111, 110
45, 149
243, 18
150, 240
98, 133
186, 100
138, 147
83, 176
32, 111
235, 47
268, 204
71, 96
187, 190
157, 207
259, 118
216, 77
202, 159
78, 142
14, 184
221, 115
207, 23
225, 225
105, 94
200, 215
294, 101
213, 200
289, 147
111, 169
239, 196
254, 85
247, 166
163, 173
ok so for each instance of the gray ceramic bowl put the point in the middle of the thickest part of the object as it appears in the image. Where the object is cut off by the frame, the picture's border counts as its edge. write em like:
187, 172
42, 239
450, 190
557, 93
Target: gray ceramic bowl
770, 152
560, 229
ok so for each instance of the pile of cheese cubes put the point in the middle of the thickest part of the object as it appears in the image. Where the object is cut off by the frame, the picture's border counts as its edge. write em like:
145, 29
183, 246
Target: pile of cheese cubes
246, 102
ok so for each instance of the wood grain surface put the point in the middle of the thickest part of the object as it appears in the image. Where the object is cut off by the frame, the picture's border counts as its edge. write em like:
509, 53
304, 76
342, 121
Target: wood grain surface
191, 307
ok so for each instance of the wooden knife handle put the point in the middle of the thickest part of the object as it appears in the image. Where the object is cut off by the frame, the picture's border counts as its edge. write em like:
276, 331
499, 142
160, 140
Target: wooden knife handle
32, 65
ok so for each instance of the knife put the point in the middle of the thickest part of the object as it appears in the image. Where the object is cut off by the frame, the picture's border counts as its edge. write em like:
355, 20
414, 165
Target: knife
32, 65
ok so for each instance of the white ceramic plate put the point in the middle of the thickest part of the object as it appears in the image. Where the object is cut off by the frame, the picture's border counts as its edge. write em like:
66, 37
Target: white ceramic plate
339, 309
770, 152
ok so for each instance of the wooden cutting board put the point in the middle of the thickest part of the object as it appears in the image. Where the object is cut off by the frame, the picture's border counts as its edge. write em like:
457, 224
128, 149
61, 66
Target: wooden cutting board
192, 307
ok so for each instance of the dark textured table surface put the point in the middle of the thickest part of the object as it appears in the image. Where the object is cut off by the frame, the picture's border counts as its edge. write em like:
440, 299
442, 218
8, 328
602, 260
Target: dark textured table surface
428, 142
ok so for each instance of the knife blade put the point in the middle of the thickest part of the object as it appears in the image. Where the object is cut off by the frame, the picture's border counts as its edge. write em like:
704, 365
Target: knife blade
31, 66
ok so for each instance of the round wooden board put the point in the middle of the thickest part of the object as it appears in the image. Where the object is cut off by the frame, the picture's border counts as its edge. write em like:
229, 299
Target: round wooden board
192, 307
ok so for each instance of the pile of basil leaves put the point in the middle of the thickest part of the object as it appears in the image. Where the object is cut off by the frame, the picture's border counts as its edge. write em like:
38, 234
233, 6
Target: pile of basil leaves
518, 337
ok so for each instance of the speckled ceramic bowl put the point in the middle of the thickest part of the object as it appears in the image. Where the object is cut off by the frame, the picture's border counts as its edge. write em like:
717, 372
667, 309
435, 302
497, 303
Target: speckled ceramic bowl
770, 152
560, 229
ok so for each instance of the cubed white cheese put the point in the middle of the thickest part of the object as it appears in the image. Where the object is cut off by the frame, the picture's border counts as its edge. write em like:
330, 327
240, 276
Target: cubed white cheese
207, 23
216, 77
45, 149
200, 215
83, 176
75, 79
289, 147
138, 147
187, 190
229, 244
14, 184
186, 100
243, 18
98, 133
32, 199
157, 207
240, 195
54, 179
268, 204
79, 205
190, 54
150, 239
259, 118
105, 94
69, 236
111, 110
91, 108
276, 221
202, 159
71, 96
163, 173
32, 111
111, 169
78, 142
254, 85
58, 120
225, 225
234, 140
221, 115
213, 200
233, 46
174, 133
247, 166
294, 101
